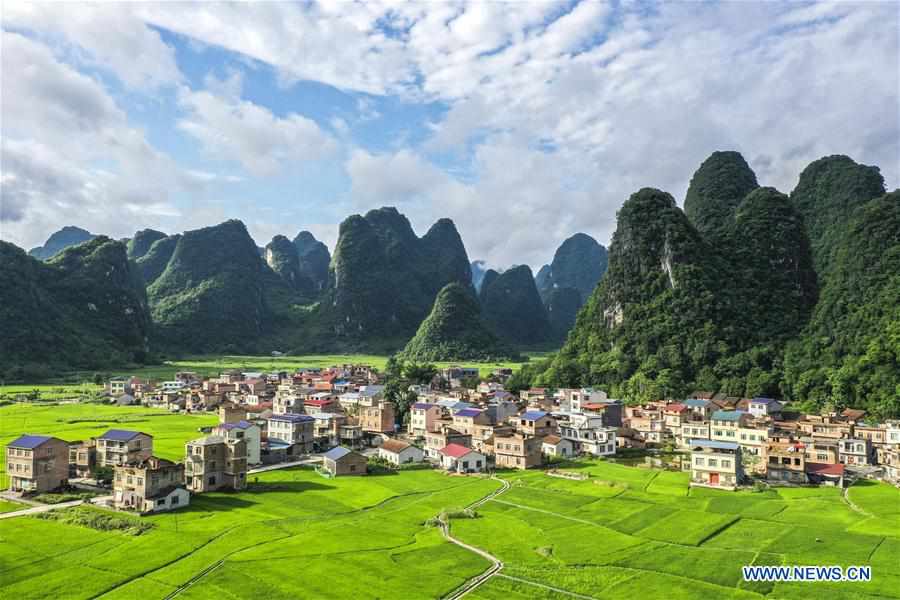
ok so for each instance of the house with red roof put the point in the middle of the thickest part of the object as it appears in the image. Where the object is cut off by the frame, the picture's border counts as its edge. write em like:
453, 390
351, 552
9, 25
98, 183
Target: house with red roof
460, 459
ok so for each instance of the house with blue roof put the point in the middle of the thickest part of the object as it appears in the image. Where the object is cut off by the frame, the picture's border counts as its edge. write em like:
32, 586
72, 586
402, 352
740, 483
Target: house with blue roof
466, 419
535, 422
716, 464
344, 461
765, 407
122, 447
37, 463
296, 430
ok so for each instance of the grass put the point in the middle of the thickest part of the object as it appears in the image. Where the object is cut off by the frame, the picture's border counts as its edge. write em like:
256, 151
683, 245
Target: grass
81, 421
287, 536
656, 538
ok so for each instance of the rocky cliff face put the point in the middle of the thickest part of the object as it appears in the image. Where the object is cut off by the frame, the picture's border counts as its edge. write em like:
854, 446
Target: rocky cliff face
314, 259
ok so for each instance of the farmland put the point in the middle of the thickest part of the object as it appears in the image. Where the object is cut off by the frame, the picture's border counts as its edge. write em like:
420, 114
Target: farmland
82, 421
624, 532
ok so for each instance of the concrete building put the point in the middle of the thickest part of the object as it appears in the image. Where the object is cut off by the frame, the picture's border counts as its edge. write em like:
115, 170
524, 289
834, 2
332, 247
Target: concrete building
716, 464
344, 461
37, 463
460, 459
296, 430
398, 452
517, 451
588, 434
214, 463
122, 446
152, 485
423, 417
243, 430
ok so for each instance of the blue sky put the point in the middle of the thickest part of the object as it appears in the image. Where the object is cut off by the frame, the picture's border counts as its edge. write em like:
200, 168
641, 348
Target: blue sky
524, 122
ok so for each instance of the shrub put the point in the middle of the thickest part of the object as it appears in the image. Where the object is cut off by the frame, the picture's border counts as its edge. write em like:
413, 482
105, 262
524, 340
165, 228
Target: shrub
101, 520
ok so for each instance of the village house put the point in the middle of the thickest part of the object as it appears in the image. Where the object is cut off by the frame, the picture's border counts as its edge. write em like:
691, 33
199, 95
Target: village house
715, 464
82, 458
647, 421
243, 430
121, 446
588, 435
854, 451
465, 420
574, 399
152, 485
232, 413
764, 407
821, 474
786, 461
422, 418
826, 452
828, 426
700, 408
555, 446
460, 459
377, 418
344, 461
213, 463
37, 463
435, 441
298, 431
325, 402
535, 422
398, 452
537, 399
517, 451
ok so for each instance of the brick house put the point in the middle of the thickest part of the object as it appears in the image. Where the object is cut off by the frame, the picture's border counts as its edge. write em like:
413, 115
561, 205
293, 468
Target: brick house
121, 446
344, 461
423, 417
37, 463
716, 464
535, 422
786, 461
82, 458
296, 430
153, 485
517, 451
380, 417
243, 430
214, 463
435, 441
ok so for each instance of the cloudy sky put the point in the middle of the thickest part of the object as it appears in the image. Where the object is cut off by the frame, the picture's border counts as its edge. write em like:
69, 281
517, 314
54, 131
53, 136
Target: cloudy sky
523, 122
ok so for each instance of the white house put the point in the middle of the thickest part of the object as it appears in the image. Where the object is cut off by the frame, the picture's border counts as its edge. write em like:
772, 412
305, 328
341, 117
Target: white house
462, 460
400, 453
243, 430
764, 407
553, 445
588, 434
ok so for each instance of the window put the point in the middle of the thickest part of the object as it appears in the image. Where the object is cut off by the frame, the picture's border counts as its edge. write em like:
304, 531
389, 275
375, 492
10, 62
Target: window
698, 461
726, 464
478, 463
211, 480
713, 462
174, 500
465, 464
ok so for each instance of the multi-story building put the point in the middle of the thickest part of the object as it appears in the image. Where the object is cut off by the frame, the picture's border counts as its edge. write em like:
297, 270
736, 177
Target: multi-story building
380, 417
296, 430
466, 419
37, 463
121, 446
535, 422
588, 434
151, 485
214, 463
764, 407
852, 451
517, 451
243, 430
82, 458
716, 464
436, 440
786, 461
821, 451
423, 417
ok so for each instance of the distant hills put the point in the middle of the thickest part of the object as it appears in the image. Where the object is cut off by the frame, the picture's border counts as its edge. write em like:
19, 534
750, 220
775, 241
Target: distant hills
60, 240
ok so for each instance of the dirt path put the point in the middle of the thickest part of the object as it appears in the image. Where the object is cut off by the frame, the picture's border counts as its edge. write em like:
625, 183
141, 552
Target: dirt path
42, 508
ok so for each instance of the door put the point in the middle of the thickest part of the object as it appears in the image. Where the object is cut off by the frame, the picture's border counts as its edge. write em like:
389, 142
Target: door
714, 479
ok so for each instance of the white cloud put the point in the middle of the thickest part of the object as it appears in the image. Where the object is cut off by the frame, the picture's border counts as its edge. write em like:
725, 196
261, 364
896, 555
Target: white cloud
106, 35
236, 129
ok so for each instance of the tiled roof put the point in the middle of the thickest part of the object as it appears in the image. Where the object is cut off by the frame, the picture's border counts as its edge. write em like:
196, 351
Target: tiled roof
395, 445
468, 412
696, 403
337, 453
292, 418
727, 415
714, 444
534, 415
552, 439
29, 442
825, 469
676, 407
455, 450
120, 435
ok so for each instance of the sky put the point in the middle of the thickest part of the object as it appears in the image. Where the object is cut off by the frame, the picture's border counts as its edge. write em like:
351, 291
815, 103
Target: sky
524, 122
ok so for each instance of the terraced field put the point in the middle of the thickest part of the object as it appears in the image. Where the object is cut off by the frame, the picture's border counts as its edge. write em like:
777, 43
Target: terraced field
638, 533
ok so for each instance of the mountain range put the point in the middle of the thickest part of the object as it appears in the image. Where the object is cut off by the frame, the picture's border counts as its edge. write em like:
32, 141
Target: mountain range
746, 291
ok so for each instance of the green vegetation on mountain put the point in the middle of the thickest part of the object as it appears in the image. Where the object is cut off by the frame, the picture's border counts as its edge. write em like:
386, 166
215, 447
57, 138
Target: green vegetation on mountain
563, 304
828, 192
84, 308
454, 331
384, 279
512, 307
140, 244
210, 296
314, 259
849, 354
64, 238
578, 263
716, 189
152, 264
750, 307
283, 259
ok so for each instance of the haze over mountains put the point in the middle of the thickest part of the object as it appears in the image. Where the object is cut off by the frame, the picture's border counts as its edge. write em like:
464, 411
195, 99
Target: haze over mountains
747, 291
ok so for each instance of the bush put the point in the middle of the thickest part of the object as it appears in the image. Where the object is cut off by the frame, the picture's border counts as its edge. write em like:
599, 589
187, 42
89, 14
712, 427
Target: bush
101, 520
59, 498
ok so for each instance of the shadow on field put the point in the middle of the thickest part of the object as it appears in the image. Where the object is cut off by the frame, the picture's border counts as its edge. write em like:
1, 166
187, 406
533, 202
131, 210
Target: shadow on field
261, 487
218, 502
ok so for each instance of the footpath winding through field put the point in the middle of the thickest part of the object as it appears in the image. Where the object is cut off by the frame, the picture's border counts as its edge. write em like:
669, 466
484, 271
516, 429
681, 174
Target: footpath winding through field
496, 563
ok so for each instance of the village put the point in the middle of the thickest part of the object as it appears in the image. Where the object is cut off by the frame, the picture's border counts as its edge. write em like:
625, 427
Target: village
339, 420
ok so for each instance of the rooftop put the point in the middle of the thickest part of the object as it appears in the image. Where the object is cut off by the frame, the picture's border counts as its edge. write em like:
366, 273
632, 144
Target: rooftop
468, 412
120, 435
292, 418
337, 453
533, 415
29, 442
728, 415
714, 444
455, 450
395, 445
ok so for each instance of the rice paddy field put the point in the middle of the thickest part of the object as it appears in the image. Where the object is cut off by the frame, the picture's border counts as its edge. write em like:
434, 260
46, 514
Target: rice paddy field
624, 532
81, 421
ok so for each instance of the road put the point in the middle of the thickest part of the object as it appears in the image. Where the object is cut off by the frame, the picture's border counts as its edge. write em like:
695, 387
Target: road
48, 507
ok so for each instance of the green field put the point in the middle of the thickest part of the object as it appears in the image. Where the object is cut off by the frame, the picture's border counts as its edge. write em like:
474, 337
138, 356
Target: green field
624, 532
79, 384
81, 421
